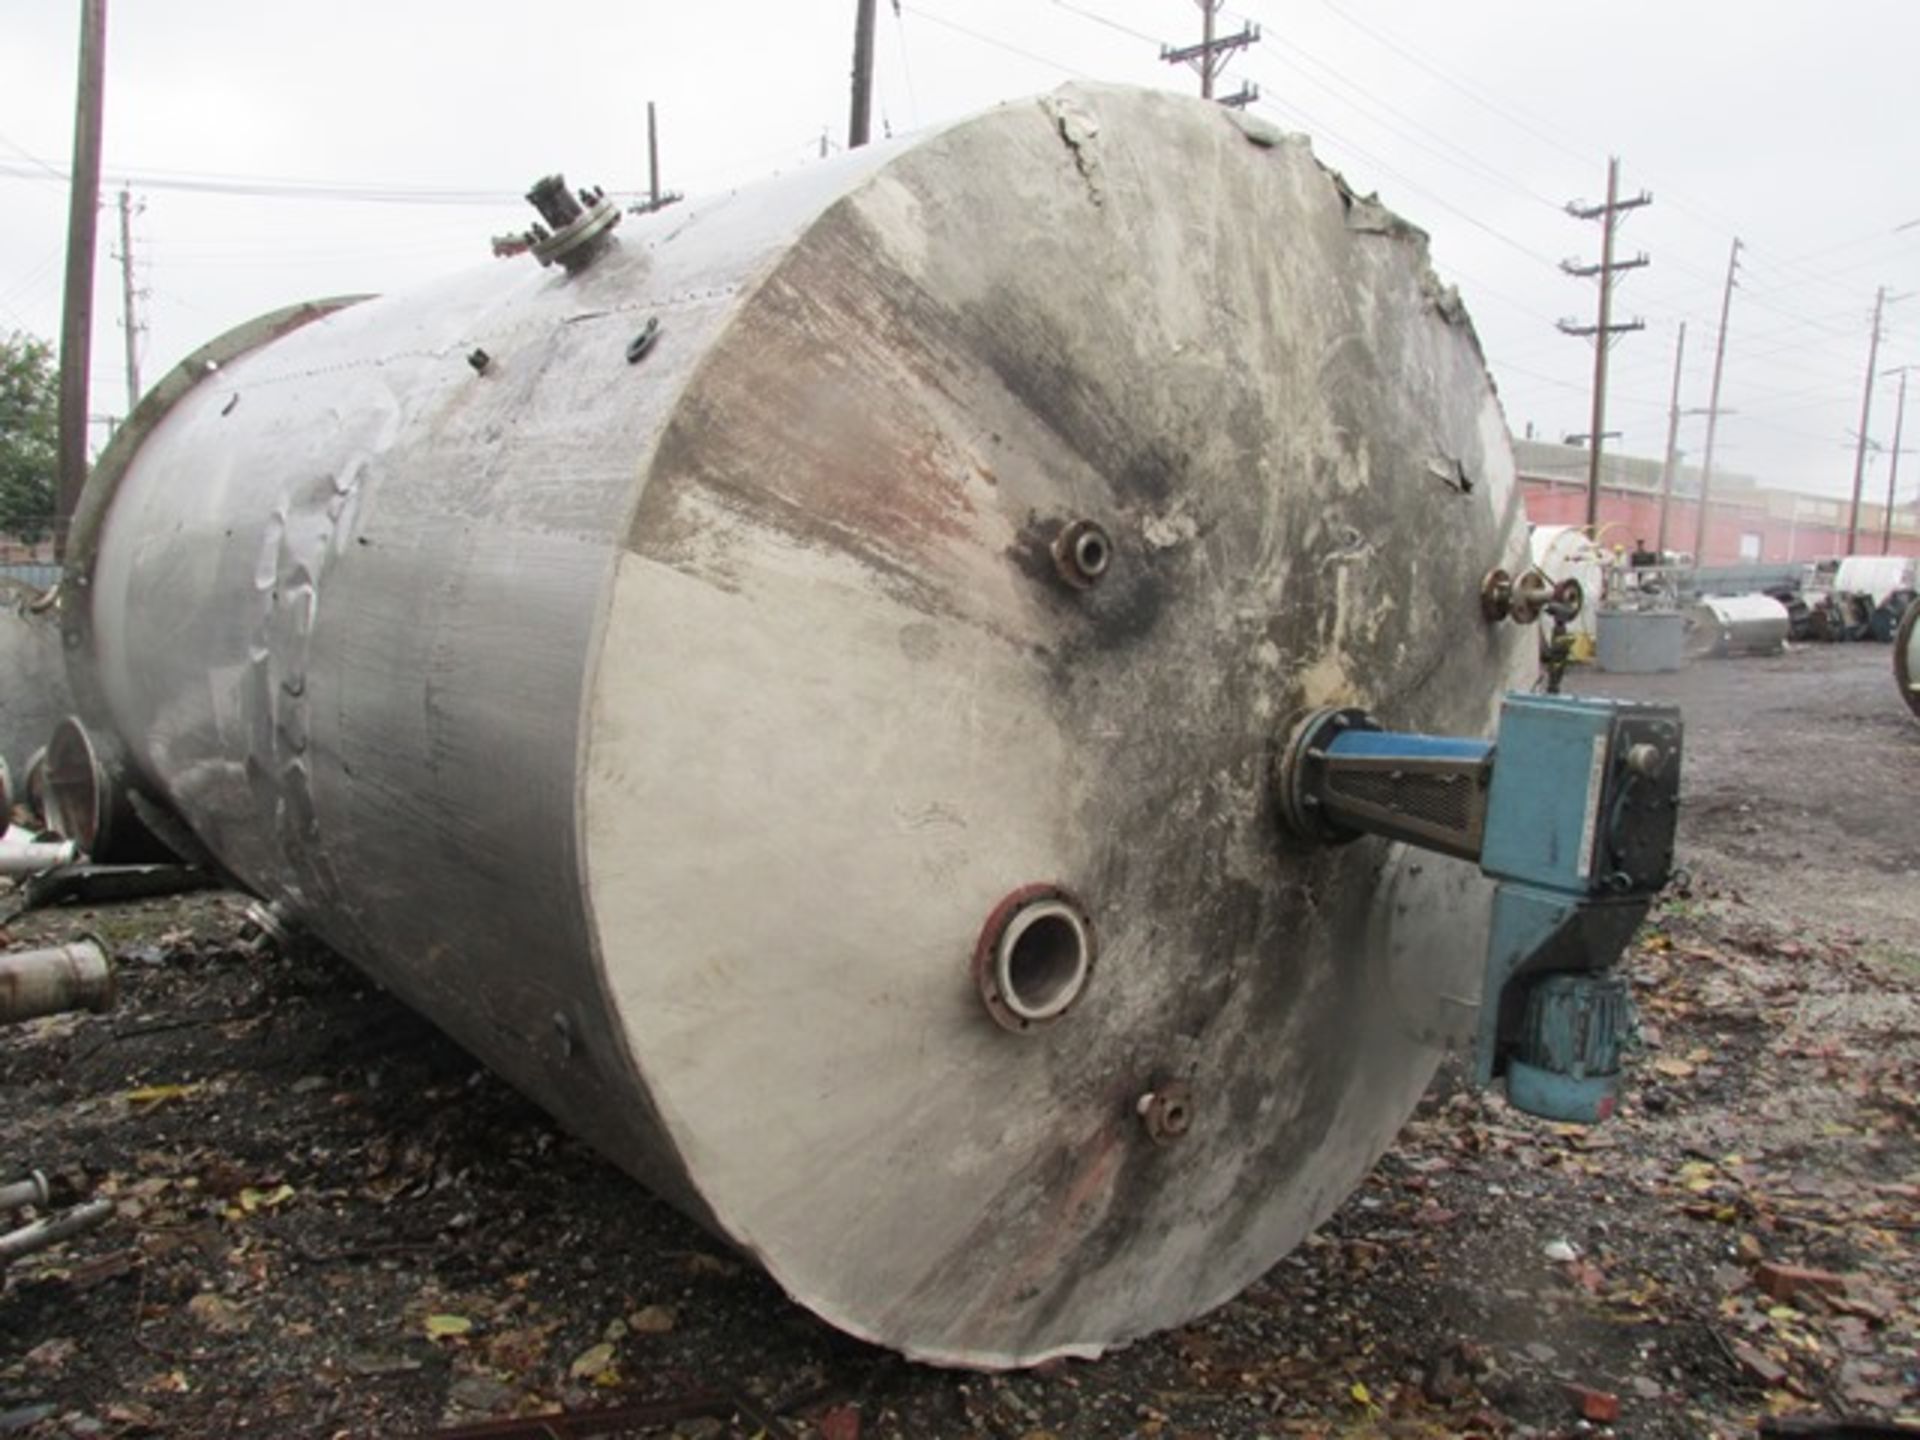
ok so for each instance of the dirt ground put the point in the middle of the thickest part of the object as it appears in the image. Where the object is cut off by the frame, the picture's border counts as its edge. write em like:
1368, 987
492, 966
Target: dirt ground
331, 1222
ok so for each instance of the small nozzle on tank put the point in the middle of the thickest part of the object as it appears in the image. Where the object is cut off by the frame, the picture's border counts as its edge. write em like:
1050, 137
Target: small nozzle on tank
554, 201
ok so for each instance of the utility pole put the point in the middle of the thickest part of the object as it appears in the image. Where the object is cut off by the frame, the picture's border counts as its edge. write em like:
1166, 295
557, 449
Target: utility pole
1673, 444
656, 198
1604, 330
129, 319
83, 213
1899, 421
860, 126
1209, 57
653, 158
1713, 406
1866, 410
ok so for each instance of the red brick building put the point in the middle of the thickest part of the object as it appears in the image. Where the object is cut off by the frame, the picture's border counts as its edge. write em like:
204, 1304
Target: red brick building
1749, 522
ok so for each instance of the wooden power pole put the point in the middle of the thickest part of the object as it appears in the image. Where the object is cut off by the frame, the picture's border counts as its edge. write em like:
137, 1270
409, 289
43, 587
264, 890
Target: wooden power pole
657, 199
1866, 411
653, 159
860, 126
129, 315
1673, 444
83, 213
1604, 329
1899, 422
1713, 407
1209, 57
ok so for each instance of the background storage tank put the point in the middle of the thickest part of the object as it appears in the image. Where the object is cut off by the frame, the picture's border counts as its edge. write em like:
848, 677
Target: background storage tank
1567, 552
799, 695
33, 692
1737, 625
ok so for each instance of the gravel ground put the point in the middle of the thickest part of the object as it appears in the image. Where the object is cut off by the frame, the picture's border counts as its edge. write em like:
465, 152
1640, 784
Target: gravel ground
331, 1222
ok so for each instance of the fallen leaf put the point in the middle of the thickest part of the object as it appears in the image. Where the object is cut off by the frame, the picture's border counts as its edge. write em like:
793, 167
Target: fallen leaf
442, 1327
1767, 1371
52, 1355
252, 1200
592, 1363
652, 1320
158, 1094
218, 1313
1600, 1406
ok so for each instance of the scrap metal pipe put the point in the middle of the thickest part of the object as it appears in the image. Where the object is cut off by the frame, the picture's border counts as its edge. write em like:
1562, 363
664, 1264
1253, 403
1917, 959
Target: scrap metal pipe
75, 1220
30, 857
799, 695
30, 1191
54, 979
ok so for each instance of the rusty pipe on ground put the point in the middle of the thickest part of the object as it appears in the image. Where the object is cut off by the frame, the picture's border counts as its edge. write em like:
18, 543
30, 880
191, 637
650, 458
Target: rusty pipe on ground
59, 977
21, 1193
74, 1220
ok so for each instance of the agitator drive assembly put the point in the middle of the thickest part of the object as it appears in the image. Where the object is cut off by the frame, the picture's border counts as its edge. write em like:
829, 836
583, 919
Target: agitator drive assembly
865, 696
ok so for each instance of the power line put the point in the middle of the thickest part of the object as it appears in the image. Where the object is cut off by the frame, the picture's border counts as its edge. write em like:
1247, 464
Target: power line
906, 70
280, 189
985, 39
1416, 132
1111, 24
1509, 115
1286, 111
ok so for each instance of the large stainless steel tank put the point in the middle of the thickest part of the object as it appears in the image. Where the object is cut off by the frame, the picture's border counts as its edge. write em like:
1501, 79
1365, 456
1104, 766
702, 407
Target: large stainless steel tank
827, 761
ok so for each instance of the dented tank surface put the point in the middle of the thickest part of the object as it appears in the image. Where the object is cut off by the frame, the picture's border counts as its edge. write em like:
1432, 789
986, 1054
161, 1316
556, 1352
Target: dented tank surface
825, 759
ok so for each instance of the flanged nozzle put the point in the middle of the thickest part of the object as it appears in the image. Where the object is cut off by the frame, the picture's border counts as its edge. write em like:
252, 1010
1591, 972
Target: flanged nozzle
576, 225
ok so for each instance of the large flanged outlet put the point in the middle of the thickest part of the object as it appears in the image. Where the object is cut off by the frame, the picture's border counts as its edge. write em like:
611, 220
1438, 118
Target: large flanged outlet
77, 787
1034, 957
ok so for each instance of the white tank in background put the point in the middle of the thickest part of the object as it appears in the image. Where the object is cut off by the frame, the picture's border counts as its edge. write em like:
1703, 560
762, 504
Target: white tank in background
1566, 552
1737, 625
1880, 576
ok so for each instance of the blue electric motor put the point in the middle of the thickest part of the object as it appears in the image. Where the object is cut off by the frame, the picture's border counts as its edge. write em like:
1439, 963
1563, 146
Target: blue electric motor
1571, 810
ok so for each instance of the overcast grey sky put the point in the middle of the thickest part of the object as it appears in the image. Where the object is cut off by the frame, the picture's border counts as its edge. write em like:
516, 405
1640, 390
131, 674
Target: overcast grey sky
1784, 123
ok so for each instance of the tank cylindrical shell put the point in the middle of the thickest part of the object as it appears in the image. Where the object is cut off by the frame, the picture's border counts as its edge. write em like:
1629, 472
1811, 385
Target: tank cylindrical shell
1737, 625
685, 735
